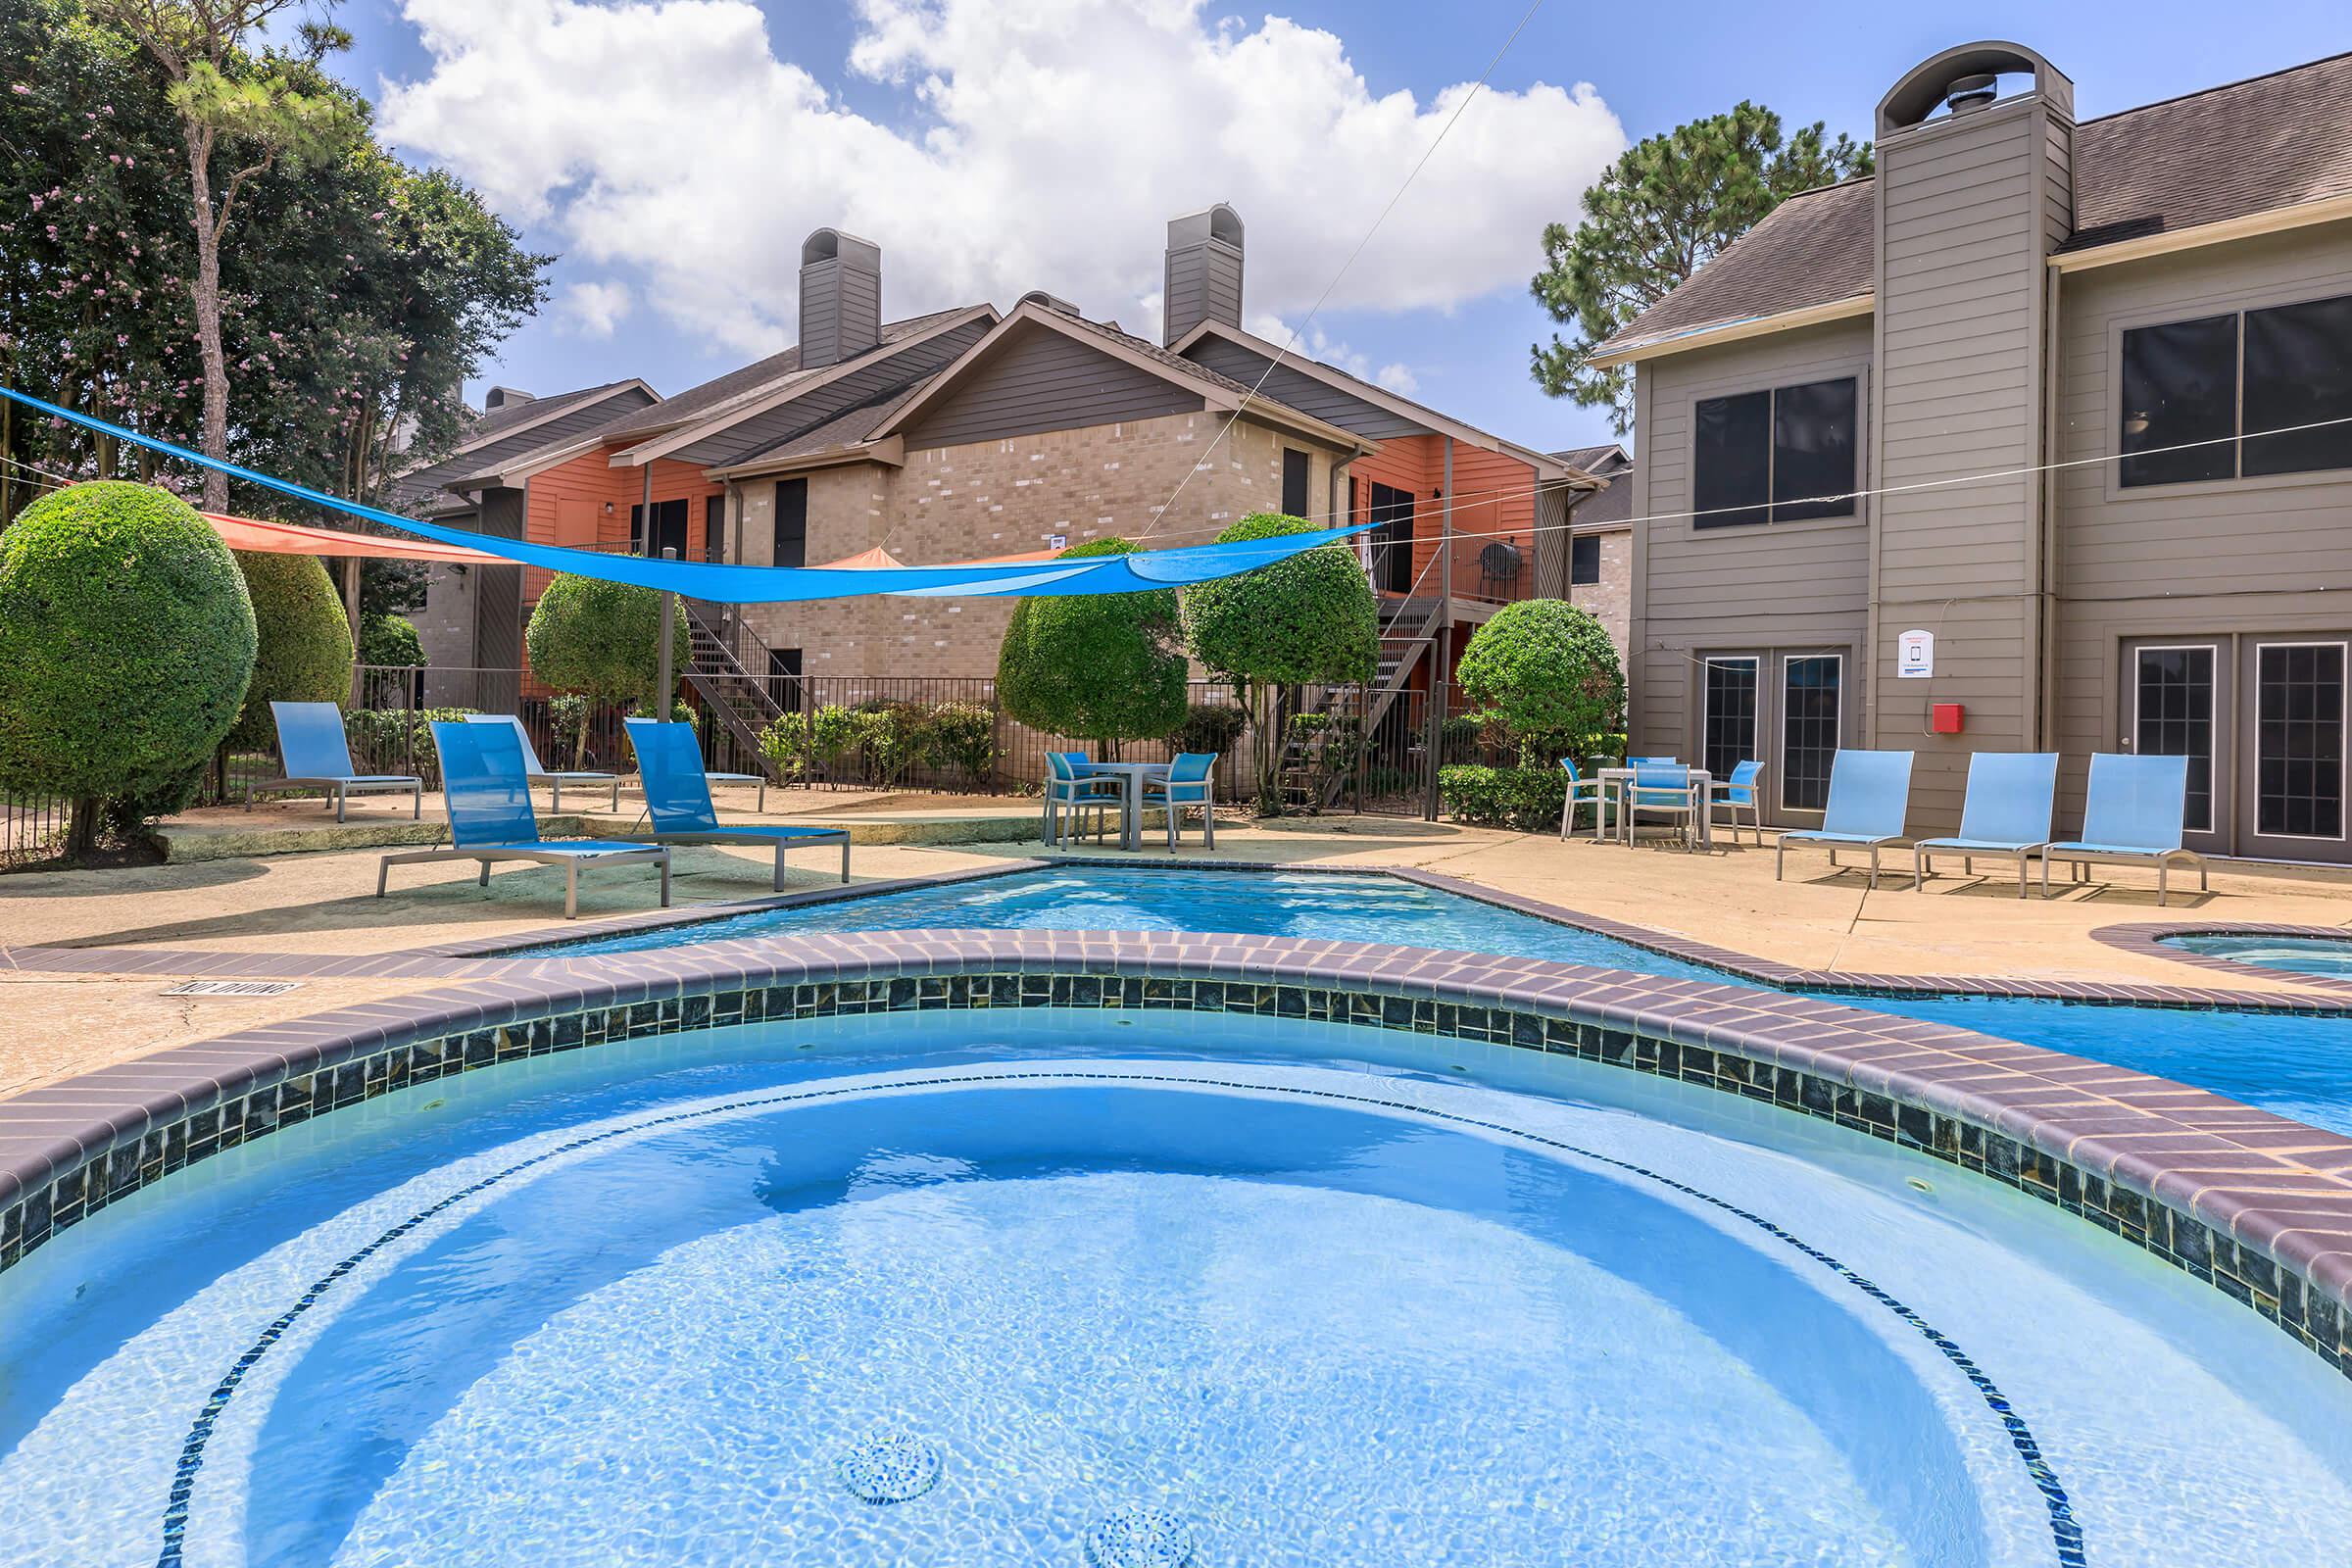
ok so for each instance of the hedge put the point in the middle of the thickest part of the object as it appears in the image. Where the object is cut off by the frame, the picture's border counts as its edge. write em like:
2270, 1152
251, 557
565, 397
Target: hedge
126, 642
1527, 799
305, 648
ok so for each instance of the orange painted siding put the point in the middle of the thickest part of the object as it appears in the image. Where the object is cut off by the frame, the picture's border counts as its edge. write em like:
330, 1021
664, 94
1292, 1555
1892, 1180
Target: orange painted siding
1495, 499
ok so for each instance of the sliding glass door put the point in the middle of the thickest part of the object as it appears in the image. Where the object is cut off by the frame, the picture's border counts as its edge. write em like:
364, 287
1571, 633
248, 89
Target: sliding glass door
1727, 712
2298, 749
1812, 716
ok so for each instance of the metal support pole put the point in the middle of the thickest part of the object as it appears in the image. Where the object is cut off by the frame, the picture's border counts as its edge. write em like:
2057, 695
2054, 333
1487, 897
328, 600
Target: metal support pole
669, 631
1442, 641
351, 614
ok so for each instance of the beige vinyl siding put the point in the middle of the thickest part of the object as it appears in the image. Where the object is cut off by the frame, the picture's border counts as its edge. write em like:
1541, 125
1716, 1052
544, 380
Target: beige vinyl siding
1042, 380
1797, 587
2269, 555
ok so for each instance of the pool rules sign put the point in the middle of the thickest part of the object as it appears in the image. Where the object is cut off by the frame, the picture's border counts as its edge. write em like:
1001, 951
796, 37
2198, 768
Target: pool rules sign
1915, 656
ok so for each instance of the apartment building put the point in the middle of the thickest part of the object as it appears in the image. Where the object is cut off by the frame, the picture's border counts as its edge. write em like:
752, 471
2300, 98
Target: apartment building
2022, 443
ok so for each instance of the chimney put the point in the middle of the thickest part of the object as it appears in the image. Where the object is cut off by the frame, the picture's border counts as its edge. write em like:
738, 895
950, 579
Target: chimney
1202, 281
840, 298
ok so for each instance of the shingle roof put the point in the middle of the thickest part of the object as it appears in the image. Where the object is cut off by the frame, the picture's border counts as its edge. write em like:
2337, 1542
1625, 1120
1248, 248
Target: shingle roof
492, 442
757, 378
837, 434
1586, 458
2227, 151
488, 427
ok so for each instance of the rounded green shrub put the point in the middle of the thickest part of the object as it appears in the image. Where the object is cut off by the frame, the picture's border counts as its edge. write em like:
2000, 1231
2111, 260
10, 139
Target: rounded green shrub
126, 642
305, 653
390, 642
601, 639
1101, 667
1548, 673
1311, 618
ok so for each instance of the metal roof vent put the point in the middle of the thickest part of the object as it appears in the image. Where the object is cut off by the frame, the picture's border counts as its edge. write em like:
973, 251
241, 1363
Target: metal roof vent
1052, 301
1971, 93
504, 397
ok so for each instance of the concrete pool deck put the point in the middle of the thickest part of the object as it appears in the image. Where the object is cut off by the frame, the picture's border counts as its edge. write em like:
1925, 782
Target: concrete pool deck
320, 903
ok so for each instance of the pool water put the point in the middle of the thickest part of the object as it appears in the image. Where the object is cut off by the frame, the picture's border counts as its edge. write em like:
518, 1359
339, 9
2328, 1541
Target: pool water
2298, 1065
2330, 957
1144, 1291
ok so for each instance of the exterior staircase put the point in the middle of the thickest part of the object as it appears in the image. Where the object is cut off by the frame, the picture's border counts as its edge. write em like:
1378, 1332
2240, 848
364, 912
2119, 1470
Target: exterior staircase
742, 703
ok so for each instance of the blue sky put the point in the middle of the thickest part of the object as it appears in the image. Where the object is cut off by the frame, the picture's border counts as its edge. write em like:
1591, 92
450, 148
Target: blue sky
653, 282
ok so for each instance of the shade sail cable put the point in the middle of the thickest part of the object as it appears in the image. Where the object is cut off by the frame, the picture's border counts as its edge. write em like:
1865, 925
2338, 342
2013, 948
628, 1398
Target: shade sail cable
768, 585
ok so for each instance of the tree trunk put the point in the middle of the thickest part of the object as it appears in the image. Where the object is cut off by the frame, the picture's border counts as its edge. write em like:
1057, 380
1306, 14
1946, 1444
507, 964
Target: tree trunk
205, 294
81, 830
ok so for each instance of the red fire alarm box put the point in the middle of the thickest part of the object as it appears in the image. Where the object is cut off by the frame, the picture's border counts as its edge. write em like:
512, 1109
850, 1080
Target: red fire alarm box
1945, 718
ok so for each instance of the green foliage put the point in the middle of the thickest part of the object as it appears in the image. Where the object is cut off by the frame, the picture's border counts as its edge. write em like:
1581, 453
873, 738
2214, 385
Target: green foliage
1460, 737
601, 639
305, 654
126, 642
399, 740
805, 746
1665, 208
892, 737
1308, 619
1527, 799
1101, 667
963, 741
390, 642
1547, 673
1210, 727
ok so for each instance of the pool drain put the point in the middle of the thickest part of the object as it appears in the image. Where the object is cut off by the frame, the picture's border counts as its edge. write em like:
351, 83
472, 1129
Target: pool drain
889, 1467
1138, 1536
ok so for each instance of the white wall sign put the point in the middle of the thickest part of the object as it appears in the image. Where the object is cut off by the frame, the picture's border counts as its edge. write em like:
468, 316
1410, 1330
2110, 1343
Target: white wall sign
1915, 656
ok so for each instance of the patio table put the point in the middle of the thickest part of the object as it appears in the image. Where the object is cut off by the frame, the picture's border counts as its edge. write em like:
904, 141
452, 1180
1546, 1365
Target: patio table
1131, 776
1615, 781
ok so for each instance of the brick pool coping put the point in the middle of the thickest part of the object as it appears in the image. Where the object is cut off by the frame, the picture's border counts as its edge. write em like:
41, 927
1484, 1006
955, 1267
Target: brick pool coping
2148, 938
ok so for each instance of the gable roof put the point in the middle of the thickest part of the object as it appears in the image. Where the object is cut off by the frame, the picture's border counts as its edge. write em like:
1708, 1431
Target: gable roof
2204, 160
1545, 465
499, 424
498, 438
846, 437
1600, 461
1217, 391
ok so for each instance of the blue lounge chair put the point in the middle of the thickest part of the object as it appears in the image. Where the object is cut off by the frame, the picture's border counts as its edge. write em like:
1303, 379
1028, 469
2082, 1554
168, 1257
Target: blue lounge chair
2010, 798
1192, 781
538, 773
1581, 788
1870, 794
2135, 814
1744, 791
677, 795
490, 816
1663, 789
1069, 787
315, 754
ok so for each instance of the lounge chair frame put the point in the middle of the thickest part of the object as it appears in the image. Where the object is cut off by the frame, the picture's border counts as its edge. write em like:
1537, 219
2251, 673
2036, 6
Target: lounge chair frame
2121, 786
670, 790
571, 862
1896, 766
554, 778
339, 786
1992, 812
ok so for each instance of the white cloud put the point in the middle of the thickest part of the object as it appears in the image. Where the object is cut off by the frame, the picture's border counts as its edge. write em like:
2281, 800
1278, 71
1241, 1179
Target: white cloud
1043, 145
1397, 378
595, 309
1317, 344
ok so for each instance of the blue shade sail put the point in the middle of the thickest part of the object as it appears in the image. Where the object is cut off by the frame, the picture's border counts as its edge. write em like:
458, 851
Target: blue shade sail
769, 585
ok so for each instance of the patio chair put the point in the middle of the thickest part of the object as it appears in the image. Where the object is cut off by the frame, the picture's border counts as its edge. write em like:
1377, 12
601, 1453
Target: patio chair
1581, 788
317, 754
1067, 788
1192, 781
2135, 813
677, 796
1742, 791
1870, 795
539, 773
2010, 798
1662, 761
488, 793
1663, 789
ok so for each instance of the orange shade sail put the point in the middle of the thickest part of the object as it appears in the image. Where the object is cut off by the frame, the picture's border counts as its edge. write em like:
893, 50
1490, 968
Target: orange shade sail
292, 539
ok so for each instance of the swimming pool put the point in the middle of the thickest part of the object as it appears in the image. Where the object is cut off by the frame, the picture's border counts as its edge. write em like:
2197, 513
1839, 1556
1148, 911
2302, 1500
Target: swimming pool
2298, 1065
1126, 1289
2326, 957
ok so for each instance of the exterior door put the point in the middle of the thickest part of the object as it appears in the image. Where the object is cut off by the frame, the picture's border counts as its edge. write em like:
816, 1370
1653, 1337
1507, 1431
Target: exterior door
2177, 696
2291, 736
1812, 720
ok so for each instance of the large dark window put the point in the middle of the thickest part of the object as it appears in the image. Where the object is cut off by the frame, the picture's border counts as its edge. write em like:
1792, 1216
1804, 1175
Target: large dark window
1294, 483
669, 529
2299, 740
2181, 386
2188, 382
2173, 702
1729, 717
714, 528
2299, 372
1392, 539
1583, 560
1781, 456
1809, 725
792, 523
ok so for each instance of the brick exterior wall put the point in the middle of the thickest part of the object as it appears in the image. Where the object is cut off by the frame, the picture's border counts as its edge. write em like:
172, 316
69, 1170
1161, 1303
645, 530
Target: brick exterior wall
1611, 599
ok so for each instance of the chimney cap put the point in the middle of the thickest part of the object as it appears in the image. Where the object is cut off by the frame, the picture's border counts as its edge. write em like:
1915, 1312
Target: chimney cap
1219, 223
833, 244
1972, 92
1052, 301
504, 397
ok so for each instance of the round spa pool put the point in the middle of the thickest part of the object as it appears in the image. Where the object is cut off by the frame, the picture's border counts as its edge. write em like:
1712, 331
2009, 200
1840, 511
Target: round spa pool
1064, 1288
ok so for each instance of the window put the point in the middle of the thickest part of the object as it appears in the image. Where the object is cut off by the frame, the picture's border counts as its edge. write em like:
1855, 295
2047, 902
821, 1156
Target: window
1809, 725
2299, 740
1392, 539
2223, 379
792, 523
1583, 560
1727, 718
2172, 716
669, 529
1294, 483
1781, 456
715, 527
784, 678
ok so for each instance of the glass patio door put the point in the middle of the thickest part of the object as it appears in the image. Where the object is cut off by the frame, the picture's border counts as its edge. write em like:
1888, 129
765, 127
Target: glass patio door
2175, 703
2294, 736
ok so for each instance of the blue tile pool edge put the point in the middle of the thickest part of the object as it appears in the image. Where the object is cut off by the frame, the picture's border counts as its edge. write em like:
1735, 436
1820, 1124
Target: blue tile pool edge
2068, 1131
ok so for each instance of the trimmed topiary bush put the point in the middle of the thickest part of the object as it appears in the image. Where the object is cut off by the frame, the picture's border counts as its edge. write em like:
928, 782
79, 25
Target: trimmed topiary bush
305, 652
390, 642
1547, 673
126, 642
601, 639
1529, 799
1310, 619
1100, 668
